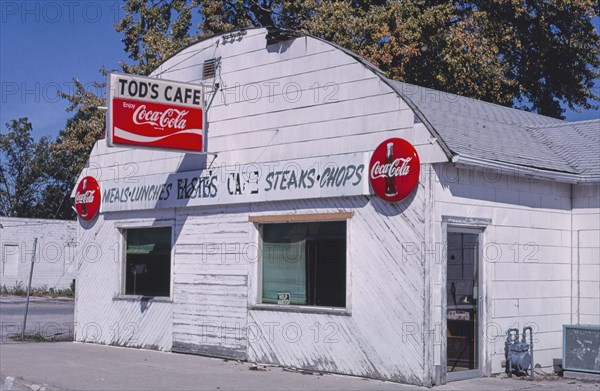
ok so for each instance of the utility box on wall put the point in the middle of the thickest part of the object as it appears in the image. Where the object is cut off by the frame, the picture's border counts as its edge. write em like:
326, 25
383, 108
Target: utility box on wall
581, 348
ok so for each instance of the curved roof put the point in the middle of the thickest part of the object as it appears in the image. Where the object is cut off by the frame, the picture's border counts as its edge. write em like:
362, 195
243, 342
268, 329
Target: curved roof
483, 133
475, 131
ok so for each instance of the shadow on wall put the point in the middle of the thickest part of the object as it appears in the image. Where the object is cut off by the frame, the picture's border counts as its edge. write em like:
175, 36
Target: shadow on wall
279, 47
490, 185
391, 209
312, 205
144, 304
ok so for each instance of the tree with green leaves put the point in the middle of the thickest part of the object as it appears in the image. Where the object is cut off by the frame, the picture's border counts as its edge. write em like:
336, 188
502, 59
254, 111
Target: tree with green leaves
36, 178
69, 153
539, 56
534, 55
23, 171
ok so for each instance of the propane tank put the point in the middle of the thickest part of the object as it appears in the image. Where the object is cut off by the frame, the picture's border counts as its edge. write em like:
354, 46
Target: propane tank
519, 354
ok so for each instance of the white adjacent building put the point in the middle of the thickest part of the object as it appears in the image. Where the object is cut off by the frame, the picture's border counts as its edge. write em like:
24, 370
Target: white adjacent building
54, 252
274, 249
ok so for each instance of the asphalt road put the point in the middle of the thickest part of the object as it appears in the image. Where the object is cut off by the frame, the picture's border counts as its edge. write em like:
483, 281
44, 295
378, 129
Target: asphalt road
48, 318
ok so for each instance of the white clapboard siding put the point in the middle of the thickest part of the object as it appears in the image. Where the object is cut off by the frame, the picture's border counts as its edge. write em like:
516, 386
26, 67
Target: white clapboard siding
213, 287
304, 61
586, 254
100, 316
526, 270
211, 283
372, 123
306, 98
208, 317
383, 337
208, 314
272, 77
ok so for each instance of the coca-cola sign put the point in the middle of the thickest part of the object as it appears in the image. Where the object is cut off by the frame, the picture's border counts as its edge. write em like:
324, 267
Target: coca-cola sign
87, 198
155, 113
394, 169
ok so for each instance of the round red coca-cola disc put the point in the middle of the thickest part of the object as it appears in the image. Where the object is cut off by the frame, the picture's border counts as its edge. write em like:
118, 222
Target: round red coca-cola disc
87, 198
394, 169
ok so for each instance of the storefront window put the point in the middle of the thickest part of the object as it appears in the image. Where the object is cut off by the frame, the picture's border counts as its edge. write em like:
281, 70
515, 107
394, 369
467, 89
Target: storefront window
148, 261
304, 264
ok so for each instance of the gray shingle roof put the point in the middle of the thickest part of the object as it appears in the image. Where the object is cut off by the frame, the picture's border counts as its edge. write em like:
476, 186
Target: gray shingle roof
578, 143
493, 133
485, 131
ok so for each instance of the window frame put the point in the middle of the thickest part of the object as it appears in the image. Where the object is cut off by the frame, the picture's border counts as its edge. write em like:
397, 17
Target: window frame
122, 259
258, 222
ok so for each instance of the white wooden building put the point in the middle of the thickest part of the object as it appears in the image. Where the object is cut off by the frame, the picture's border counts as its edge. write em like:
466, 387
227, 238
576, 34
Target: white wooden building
502, 231
54, 253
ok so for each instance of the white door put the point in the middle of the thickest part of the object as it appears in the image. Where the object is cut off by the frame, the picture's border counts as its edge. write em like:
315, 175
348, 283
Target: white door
10, 260
463, 315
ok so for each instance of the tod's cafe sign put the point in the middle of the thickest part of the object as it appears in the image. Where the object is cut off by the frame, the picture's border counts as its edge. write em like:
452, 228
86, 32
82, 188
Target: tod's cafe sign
153, 113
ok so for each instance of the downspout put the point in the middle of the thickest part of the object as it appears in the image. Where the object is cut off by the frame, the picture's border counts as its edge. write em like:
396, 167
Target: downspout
578, 277
575, 266
571, 254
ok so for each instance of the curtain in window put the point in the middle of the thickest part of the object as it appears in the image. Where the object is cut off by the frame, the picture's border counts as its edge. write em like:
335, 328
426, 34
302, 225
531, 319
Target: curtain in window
284, 271
149, 241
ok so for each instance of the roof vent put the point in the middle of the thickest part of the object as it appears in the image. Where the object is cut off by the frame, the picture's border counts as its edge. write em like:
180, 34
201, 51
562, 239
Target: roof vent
209, 68
277, 35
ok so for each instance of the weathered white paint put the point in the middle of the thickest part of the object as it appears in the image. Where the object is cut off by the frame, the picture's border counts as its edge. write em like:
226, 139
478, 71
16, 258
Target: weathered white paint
102, 314
304, 99
333, 176
382, 338
54, 253
586, 254
528, 255
344, 109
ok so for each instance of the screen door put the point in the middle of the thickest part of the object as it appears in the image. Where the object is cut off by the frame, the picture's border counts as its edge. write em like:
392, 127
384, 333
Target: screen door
462, 331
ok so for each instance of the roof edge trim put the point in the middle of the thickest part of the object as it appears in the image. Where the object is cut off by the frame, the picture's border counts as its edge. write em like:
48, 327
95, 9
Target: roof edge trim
508, 168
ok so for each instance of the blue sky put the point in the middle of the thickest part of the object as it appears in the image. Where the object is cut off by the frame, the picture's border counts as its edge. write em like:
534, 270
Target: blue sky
44, 44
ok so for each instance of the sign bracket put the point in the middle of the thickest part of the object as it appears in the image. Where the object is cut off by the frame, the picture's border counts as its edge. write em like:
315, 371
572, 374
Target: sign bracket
207, 105
212, 161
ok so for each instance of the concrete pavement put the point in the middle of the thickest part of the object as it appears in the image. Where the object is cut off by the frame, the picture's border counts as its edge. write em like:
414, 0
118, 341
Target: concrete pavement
503, 383
77, 366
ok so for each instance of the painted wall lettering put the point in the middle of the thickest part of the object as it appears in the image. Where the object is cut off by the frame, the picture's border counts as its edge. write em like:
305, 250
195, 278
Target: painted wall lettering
337, 176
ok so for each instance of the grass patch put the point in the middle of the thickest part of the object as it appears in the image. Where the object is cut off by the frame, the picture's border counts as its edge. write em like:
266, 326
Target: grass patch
19, 290
38, 337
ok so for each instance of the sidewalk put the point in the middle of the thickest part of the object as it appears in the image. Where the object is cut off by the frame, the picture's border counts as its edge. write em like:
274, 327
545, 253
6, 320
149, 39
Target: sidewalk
76, 366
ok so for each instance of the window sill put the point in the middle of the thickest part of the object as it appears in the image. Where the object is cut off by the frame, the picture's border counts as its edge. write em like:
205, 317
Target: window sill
138, 298
301, 309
